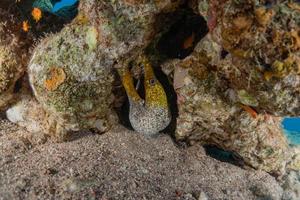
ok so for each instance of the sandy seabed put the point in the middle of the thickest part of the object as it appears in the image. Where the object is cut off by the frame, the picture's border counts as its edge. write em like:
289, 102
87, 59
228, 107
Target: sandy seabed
120, 164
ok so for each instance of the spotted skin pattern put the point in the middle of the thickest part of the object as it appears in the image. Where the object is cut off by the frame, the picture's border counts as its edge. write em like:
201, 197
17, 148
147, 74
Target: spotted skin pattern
151, 115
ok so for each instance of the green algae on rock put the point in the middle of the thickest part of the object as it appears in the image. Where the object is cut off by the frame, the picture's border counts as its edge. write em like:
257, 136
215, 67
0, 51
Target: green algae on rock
71, 71
206, 114
263, 43
241, 80
230, 101
71, 80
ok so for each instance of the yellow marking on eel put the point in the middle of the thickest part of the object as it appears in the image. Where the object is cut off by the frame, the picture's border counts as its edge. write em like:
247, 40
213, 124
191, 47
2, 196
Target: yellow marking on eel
155, 93
127, 82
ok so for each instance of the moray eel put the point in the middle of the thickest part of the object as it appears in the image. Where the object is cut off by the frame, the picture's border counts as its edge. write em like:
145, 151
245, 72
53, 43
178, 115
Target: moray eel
151, 115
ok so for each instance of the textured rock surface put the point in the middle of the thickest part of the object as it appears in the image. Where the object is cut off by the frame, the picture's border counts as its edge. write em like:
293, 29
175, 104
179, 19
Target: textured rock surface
239, 78
263, 40
120, 165
71, 72
291, 185
232, 91
71, 81
206, 117
28, 113
13, 57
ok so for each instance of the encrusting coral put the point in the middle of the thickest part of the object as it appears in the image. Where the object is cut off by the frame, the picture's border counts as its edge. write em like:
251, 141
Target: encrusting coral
13, 57
206, 116
263, 40
70, 81
240, 80
71, 72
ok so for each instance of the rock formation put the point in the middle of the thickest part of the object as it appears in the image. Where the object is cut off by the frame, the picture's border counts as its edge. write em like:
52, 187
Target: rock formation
236, 75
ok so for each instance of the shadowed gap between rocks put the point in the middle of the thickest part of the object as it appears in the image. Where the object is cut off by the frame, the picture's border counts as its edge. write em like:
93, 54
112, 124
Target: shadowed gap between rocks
223, 156
183, 35
184, 30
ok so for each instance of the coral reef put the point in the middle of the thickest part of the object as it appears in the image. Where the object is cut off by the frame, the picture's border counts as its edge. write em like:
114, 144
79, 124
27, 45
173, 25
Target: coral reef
291, 185
240, 80
263, 41
71, 71
71, 80
28, 113
233, 90
205, 116
13, 57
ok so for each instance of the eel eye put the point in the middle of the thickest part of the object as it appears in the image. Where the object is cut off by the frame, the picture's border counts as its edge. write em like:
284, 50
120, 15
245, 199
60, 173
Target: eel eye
152, 82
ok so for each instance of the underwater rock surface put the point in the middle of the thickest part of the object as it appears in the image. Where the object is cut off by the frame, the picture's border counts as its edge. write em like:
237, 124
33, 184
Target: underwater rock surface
71, 81
13, 58
240, 81
263, 40
71, 71
206, 117
291, 185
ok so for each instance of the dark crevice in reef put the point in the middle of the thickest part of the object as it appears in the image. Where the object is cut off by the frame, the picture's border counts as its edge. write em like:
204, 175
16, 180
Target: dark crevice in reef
181, 31
224, 156
18, 85
172, 100
121, 102
181, 38
224, 53
123, 114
